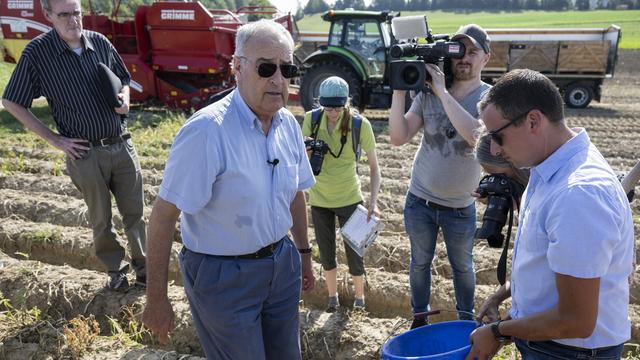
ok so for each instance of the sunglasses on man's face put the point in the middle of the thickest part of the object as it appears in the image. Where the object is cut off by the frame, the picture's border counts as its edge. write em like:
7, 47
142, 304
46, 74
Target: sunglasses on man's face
495, 134
266, 70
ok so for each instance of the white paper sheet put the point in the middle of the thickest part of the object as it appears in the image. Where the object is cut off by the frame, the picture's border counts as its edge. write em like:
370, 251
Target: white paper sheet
360, 233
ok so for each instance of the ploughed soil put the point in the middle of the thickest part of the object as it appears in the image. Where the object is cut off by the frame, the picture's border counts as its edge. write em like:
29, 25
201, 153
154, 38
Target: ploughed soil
53, 304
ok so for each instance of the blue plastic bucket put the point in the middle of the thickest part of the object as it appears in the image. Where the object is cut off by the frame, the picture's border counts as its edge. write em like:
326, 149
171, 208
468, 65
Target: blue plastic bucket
445, 340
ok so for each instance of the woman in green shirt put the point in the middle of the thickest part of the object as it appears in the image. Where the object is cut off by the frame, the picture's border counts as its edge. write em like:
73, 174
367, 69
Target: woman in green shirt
337, 190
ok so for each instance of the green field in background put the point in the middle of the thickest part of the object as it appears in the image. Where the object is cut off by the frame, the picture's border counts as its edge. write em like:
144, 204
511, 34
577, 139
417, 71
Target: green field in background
447, 22
5, 72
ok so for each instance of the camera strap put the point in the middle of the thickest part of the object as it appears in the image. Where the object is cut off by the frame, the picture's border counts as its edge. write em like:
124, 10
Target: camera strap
356, 122
502, 263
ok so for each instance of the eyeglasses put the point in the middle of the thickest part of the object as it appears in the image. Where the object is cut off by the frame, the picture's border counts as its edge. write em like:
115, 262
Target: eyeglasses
495, 134
333, 109
77, 14
266, 70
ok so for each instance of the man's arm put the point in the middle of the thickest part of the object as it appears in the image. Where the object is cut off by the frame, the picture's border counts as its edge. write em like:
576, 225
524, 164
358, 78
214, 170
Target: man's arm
300, 237
158, 313
574, 317
71, 147
464, 123
402, 127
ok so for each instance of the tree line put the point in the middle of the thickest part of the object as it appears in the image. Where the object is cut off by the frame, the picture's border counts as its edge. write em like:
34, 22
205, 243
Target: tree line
317, 6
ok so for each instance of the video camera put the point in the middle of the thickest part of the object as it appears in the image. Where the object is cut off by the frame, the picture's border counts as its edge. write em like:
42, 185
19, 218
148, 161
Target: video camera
318, 149
501, 191
411, 74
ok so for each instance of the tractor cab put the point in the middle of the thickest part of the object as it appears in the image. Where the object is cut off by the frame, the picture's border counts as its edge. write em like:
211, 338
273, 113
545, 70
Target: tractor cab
365, 37
357, 51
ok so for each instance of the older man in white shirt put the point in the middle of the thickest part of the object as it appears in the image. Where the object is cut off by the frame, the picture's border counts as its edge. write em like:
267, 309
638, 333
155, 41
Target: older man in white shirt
236, 172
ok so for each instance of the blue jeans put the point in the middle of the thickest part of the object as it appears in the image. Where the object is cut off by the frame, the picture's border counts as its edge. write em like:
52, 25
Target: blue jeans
544, 350
245, 308
458, 227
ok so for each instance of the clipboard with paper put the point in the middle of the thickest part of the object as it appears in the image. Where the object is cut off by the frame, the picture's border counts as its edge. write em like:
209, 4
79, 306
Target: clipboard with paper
360, 233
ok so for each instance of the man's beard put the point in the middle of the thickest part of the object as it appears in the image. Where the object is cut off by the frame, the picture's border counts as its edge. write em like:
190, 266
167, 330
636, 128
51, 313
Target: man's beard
467, 74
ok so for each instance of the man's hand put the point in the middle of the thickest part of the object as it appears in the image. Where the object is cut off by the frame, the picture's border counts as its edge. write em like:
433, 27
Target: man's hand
488, 312
124, 109
75, 148
483, 344
437, 79
159, 317
308, 280
373, 210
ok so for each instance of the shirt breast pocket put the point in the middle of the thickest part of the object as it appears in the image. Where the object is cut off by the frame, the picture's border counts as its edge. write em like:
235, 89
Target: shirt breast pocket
533, 237
288, 181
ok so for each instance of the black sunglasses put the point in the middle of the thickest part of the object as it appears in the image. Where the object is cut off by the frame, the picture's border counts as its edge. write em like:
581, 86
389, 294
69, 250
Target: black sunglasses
266, 70
495, 134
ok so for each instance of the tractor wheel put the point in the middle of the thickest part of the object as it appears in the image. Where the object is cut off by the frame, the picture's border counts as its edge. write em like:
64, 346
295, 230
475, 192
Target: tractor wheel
310, 85
578, 95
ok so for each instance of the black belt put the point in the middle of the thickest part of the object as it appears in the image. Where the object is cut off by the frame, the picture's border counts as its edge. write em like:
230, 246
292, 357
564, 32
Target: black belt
111, 140
262, 253
437, 206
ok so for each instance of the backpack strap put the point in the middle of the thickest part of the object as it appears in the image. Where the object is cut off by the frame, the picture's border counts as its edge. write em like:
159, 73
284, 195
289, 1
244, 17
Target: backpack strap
316, 115
356, 123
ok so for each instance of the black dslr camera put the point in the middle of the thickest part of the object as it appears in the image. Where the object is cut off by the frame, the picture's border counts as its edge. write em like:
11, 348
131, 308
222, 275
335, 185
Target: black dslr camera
318, 149
501, 192
411, 74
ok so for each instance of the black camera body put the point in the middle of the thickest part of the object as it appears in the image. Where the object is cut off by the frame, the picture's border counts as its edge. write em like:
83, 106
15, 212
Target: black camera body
318, 149
411, 74
501, 191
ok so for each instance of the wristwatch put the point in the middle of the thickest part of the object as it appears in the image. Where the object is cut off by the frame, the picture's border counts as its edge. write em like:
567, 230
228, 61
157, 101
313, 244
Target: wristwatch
495, 329
305, 251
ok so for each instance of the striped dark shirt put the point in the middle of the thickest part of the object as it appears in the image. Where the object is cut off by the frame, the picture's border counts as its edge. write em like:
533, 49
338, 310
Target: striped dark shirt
48, 67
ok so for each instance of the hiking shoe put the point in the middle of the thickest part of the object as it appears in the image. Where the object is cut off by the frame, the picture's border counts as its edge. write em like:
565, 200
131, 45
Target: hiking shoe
333, 305
141, 281
118, 282
418, 322
358, 304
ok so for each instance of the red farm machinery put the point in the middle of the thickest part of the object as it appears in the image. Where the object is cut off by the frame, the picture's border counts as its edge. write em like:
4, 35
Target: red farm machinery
178, 52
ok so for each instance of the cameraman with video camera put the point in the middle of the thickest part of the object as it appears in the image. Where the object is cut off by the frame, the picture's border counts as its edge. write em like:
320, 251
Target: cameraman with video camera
445, 171
337, 133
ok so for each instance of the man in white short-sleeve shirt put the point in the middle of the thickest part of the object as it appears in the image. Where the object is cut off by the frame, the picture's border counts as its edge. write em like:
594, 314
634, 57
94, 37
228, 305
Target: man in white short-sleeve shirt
235, 174
574, 249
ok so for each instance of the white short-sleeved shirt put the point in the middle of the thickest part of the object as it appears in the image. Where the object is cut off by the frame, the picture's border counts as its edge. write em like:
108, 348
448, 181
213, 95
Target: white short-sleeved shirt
233, 201
575, 220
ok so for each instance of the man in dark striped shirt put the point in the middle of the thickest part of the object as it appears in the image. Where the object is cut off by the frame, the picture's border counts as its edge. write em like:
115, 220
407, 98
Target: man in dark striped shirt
62, 66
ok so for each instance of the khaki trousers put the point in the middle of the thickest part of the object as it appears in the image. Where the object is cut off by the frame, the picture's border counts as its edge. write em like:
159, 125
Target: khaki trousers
106, 170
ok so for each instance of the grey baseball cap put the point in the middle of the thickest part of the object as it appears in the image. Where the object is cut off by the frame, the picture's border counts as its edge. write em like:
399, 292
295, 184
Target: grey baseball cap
476, 35
334, 92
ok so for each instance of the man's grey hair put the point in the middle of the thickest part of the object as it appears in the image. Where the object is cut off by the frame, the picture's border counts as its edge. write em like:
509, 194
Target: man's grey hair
46, 4
261, 27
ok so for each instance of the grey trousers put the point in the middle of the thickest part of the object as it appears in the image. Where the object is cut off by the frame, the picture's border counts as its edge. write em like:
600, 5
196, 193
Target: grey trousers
106, 170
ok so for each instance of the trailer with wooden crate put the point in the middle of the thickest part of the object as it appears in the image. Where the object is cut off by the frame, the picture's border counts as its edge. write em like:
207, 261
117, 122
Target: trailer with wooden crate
577, 60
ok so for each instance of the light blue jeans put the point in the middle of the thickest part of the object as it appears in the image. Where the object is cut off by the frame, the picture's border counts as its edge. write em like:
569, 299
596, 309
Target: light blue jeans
458, 227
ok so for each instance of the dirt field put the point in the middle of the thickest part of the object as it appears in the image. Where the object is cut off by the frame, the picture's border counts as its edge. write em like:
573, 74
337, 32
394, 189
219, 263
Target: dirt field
52, 301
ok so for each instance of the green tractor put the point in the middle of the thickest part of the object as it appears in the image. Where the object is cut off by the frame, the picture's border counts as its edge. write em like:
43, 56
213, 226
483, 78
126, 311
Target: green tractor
357, 51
